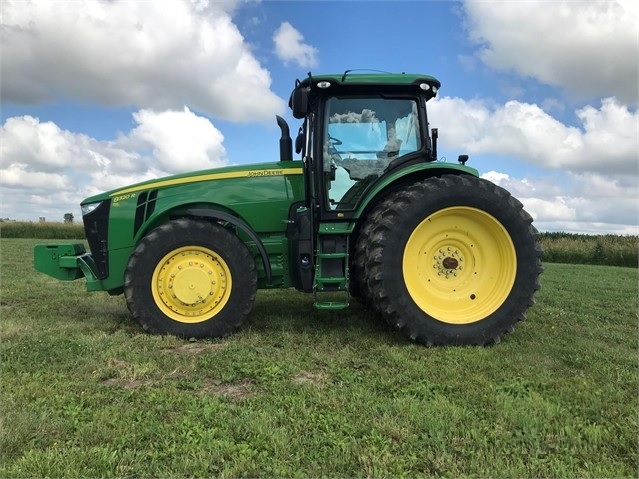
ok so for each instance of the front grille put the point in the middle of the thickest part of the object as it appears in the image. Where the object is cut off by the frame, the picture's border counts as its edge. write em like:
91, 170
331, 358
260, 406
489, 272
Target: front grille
96, 228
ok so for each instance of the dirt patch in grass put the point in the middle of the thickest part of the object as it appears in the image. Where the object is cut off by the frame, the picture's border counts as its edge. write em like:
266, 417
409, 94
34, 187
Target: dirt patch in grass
195, 348
10, 329
307, 377
238, 390
125, 384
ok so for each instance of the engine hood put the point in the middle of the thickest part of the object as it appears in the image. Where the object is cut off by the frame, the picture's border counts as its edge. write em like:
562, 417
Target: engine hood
277, 168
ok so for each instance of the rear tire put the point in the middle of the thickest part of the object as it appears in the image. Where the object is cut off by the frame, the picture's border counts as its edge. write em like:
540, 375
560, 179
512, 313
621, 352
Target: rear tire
452, 260
190, 279
359, 289
360, 259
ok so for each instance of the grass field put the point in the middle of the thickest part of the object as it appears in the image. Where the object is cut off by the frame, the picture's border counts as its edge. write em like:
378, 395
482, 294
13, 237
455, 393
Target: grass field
299, 393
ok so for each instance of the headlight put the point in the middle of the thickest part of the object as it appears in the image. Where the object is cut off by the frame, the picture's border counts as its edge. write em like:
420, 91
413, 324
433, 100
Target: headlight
88, 208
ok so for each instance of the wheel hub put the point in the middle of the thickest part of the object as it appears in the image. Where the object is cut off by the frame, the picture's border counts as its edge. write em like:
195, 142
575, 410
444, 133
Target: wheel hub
191, 284
447, 262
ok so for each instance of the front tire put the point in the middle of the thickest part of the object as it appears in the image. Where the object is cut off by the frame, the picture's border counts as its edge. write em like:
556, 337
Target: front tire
452, 260
190, 279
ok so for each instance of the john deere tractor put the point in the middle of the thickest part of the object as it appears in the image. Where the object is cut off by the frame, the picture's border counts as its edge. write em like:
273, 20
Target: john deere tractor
365, 211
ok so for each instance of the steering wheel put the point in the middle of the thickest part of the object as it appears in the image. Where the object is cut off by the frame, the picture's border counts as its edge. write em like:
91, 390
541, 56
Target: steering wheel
335, 141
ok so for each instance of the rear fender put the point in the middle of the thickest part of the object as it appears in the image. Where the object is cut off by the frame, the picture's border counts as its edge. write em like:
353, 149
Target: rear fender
410, 174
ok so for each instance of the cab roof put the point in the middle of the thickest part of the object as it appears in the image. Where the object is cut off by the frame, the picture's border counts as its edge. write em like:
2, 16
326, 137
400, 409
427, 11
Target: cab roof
372, 78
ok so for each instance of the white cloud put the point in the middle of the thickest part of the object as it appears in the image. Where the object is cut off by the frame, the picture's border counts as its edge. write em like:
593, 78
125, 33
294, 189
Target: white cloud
586, 203
496, 177
592, 183
588, 48
40, 161
607, 140
181, 140
228, 6
44, 147
18, 175
34, 143
549, 211
159, 55
290, 47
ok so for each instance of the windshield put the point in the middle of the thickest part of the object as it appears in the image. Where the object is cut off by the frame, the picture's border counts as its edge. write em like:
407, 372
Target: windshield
362, 137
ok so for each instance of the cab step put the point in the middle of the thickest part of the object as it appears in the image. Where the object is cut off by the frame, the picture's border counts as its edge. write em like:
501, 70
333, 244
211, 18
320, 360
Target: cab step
330, 286
330, 305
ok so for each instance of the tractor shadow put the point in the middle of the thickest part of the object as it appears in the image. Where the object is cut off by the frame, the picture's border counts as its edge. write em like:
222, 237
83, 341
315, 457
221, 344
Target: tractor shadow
292, 312
275, 313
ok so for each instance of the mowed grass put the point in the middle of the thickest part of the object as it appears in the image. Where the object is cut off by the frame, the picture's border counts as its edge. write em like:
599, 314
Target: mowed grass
299, 393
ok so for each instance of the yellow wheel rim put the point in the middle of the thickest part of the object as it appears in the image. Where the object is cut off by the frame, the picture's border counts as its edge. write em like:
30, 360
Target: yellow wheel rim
459, 265
191, 284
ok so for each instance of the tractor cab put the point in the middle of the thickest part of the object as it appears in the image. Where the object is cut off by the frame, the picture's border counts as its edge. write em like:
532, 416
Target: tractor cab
357, 129
361, 134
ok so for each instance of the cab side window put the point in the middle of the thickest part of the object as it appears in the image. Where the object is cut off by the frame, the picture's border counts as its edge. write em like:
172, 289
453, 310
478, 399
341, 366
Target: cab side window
362, 136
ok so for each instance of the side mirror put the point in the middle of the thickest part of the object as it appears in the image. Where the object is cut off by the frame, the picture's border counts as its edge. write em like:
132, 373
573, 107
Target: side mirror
299, 102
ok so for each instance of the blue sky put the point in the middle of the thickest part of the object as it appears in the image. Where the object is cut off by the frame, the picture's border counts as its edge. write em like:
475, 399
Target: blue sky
97, 95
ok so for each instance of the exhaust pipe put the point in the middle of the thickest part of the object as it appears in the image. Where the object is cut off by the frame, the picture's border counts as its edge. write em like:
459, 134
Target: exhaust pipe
286, 144
434, 133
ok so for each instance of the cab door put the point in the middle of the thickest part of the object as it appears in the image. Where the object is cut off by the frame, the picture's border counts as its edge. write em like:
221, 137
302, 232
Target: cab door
361, 136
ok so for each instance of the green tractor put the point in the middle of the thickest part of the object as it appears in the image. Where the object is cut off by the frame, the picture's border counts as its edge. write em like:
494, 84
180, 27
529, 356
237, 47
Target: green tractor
366, 211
